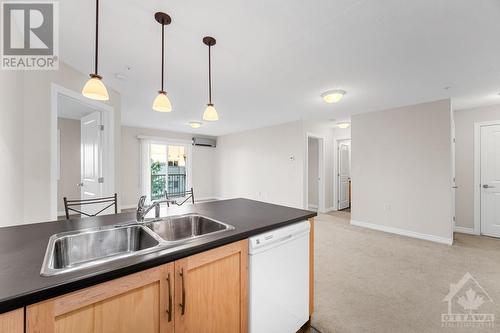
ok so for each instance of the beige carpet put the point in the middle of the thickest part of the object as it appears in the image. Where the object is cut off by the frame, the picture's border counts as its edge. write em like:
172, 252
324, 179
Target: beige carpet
370, 281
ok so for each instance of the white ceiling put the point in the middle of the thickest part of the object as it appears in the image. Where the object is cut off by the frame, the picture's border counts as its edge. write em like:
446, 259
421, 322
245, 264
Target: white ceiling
274, 58
70, 108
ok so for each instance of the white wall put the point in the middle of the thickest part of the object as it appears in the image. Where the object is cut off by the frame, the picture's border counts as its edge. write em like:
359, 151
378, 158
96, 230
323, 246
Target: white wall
312, 172
401, 170
11, 148
69, 161
264, 164
464, 124
203, 165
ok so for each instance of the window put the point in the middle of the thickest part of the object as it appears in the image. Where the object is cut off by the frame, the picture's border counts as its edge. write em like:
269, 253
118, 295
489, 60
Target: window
166, 168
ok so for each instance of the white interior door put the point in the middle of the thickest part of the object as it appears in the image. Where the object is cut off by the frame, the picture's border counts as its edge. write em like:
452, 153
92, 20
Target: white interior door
344, 174
91, 156
490, 180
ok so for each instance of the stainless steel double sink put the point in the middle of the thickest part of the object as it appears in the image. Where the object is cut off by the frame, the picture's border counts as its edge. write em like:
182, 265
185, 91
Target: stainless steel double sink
76, 250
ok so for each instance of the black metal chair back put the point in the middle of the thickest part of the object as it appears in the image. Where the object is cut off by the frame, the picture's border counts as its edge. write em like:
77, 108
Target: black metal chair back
183, 194
68, 204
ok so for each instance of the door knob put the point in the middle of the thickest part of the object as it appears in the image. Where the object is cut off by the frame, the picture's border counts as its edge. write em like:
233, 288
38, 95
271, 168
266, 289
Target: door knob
79, 184
488, 186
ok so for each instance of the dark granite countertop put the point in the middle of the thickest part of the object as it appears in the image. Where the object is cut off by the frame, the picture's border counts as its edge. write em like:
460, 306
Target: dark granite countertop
22, 248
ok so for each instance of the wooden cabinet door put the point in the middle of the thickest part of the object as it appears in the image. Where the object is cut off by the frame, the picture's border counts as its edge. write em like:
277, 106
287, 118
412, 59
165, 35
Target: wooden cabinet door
131, 304
211, 291
12, 322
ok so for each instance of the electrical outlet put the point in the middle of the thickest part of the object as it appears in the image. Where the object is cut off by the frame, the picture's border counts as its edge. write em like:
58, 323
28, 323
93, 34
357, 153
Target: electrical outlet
387, 207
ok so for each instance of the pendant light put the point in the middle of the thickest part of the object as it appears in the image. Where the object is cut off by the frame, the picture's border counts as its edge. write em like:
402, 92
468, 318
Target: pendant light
161, 102
210, 113
95, 88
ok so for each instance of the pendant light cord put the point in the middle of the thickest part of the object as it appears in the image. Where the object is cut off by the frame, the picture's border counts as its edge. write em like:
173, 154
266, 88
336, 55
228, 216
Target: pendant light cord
96, 35
209, 75
162, 54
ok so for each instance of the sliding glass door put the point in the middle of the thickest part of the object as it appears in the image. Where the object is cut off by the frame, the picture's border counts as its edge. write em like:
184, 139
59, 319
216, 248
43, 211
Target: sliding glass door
167, 170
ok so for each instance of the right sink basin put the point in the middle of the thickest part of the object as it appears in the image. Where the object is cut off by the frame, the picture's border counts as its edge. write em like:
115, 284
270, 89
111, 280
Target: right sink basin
186, 227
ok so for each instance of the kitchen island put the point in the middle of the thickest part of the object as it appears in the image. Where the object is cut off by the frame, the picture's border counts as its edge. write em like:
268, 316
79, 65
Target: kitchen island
147, 278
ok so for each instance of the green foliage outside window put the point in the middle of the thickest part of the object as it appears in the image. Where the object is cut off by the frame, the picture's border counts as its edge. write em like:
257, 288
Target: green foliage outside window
158, 181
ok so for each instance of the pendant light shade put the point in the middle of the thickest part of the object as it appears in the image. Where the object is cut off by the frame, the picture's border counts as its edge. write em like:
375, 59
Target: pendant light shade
95, 88
210, 113
162, 102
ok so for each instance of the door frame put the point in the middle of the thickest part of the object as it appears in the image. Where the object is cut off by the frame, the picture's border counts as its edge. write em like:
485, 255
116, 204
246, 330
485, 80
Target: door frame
321, 171
336, 170
108, 120
477, 172
171, 142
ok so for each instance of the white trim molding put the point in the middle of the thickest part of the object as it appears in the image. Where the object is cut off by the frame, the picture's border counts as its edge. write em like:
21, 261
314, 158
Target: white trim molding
403, 232
477, 172
321, 171
165, 139
107, 112
465, 230
336, 170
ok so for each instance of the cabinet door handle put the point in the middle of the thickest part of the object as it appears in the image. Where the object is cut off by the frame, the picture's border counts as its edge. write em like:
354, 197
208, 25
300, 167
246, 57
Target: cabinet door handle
169, 311
183, 299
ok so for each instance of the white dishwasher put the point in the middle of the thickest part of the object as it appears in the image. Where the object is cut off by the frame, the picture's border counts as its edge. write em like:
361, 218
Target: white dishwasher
279, 279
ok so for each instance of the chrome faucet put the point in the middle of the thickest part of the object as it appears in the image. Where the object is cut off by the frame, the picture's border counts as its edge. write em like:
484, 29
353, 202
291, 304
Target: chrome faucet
143, 210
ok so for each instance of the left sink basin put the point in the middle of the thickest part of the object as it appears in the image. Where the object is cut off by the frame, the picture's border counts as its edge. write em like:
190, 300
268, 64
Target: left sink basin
75, 250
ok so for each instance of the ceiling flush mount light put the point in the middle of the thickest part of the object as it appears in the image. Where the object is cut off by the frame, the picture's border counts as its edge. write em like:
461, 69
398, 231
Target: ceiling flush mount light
162, 102
333, 96
94, 88
210, 113
344, 124
195, 124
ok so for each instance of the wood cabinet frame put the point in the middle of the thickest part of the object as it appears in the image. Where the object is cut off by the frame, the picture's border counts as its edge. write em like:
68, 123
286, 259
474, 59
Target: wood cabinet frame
41, 317
238, 252
12, 322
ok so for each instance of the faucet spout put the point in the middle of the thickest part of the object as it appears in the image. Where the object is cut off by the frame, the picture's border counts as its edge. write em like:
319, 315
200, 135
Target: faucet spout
143, 209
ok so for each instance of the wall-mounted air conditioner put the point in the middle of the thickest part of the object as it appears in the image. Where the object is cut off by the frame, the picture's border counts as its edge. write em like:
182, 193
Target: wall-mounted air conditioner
204, 142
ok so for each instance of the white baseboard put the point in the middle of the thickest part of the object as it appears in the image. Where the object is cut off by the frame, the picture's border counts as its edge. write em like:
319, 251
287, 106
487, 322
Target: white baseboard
465, 230
403, 232
330, 209
313, 207
205, 199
